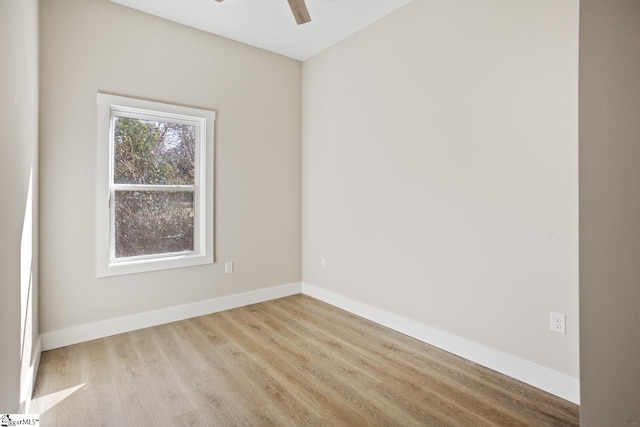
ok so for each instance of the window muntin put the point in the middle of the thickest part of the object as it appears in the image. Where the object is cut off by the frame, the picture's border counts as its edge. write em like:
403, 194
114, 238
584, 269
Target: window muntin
159, 185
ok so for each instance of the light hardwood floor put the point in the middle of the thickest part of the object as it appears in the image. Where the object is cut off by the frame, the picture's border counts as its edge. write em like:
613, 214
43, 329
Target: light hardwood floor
290, 362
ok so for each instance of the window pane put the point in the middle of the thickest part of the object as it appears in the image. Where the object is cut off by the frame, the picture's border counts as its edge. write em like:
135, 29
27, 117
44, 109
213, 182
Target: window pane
153, 222
153, 152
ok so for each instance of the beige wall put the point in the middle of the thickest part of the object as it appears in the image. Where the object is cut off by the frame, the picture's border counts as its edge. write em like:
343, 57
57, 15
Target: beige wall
95, 45
18, 204
610, 212
440, 171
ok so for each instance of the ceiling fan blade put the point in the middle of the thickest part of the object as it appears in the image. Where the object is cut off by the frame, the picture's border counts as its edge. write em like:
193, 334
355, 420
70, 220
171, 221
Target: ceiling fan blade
299, 9
300, 12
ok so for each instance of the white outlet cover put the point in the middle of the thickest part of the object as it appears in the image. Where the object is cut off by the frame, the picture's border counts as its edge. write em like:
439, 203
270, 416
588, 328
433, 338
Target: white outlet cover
228, 267
558, 322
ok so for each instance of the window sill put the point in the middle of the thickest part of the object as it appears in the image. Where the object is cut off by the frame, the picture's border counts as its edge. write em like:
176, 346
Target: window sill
154, 264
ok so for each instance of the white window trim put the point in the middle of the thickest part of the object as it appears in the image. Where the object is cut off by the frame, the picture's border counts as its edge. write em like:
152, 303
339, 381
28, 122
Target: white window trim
106, 263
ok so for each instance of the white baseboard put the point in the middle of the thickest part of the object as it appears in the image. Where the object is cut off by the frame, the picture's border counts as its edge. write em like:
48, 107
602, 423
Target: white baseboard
546, 379
104, 328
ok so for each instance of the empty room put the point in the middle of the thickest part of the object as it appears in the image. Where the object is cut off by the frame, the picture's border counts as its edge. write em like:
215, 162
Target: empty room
320, 212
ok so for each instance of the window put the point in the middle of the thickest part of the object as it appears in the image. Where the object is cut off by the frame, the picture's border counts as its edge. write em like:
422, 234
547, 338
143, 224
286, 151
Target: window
155, 186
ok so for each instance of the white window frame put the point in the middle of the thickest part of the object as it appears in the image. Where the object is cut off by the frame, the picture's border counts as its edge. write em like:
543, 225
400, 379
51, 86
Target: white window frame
110, 106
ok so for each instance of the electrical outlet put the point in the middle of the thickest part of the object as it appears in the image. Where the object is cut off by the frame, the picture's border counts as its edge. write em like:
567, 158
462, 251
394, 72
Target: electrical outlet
557, 322
228, 267
323, 262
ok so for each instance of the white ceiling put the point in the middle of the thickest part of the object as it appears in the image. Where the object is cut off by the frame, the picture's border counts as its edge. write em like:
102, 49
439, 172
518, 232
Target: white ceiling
269, 24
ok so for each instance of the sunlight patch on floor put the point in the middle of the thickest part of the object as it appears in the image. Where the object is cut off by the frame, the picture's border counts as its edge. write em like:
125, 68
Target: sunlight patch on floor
40, 405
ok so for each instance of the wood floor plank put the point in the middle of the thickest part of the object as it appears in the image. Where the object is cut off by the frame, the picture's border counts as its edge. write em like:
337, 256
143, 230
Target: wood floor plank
290, 362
